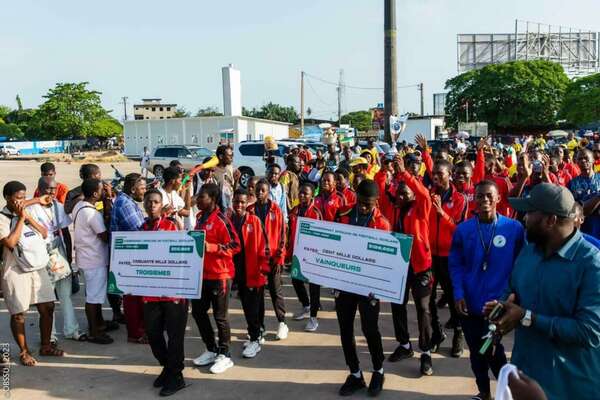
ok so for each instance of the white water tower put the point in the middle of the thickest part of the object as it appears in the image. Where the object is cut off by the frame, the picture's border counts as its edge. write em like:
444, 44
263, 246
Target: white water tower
232, 92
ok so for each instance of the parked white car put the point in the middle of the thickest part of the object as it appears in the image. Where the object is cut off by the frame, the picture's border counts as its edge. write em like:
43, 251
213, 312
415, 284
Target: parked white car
7, 150
248, 157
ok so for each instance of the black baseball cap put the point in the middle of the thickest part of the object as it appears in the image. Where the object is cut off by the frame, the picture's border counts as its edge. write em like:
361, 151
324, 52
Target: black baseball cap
547, 198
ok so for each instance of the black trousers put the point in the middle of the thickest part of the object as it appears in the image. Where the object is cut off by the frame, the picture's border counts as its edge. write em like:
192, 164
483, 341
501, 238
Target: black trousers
172, 317
115, 302
475, 327
420, 286
215, 293
276, 292
442, 276
346, 305
314, 291
251, 299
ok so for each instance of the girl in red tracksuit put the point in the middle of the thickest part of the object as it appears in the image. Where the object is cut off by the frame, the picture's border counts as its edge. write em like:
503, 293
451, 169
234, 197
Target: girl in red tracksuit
251, 267
221, 244
411, 216
310, 305
274, 230
329, 201
163, 313
342, 180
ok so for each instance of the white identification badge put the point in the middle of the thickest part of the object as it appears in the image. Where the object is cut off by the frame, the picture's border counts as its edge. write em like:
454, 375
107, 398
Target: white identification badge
499, 241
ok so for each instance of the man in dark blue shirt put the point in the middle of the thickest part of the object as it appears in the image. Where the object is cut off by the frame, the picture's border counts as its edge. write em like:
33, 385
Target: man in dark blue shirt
553, 298
480, 262
586, 190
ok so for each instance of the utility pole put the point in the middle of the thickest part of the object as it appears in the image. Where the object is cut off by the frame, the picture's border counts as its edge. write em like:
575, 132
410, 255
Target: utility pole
302, 103
390, 70
422, 99
340, 92
125, 107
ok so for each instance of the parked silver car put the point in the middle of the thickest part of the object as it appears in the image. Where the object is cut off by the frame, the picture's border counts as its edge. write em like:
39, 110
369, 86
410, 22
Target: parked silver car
189, 156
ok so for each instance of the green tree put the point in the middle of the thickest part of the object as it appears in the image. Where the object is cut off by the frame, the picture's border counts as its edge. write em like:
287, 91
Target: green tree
274, 112
107, 128
514, 95
25, 120
181, 112
4, 111
11, 131
360, 120
70, 111
209, 112
581, 104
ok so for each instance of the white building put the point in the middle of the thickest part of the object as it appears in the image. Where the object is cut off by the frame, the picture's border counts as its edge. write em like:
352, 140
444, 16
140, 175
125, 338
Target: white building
430, 126
202, 131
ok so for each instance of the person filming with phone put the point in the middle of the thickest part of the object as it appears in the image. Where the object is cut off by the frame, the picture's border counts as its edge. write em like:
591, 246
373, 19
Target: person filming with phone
553, 298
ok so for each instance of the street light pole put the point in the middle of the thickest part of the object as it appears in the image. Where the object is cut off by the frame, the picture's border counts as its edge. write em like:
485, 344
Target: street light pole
390, 70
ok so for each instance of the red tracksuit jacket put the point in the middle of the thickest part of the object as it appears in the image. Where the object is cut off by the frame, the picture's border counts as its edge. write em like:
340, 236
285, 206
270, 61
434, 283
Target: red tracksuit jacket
221, 244
310, 212
441, 227
275, 231
378, 221
253, 240
330, 206
416, 223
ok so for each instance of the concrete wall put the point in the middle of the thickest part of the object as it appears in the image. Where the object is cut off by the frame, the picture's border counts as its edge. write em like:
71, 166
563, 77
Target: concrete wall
49, 146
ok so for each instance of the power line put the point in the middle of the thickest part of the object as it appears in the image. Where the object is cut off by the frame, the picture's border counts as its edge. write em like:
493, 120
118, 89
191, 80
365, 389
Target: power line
356, 87
317, 95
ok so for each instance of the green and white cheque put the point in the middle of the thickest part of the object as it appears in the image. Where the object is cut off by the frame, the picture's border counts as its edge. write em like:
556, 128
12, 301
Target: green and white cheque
157, 263
351, 258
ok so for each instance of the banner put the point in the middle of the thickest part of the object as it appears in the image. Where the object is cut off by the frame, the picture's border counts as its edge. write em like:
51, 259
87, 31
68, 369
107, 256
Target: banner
352, 258
157, 263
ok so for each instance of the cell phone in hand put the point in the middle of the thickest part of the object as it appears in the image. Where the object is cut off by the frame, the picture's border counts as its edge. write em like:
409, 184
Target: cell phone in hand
497, 312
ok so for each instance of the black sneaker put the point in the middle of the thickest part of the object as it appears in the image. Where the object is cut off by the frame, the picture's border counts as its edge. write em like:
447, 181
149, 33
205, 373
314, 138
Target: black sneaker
376, 384
172, 386
352, 385
161, 379
437, 338
119, 318
401, 354
426, 365
458, 343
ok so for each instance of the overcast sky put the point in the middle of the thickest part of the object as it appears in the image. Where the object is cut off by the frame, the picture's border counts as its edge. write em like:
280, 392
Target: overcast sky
175, 49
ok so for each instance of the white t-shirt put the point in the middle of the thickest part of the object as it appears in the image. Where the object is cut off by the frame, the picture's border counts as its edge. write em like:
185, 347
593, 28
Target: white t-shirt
48, 218
90, 251
174, 200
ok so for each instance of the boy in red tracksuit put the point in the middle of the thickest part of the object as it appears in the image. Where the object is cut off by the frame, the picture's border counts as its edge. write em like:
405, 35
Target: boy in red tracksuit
449, 208
274, 230
221, 244
164, 313
366, 214
329, 201
310, 305
413, 206
251, 265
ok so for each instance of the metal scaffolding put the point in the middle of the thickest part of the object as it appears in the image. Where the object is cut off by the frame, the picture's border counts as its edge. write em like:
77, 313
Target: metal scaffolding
575, 49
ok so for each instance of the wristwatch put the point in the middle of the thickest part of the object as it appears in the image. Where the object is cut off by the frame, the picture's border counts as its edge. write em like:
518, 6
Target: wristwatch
526, 320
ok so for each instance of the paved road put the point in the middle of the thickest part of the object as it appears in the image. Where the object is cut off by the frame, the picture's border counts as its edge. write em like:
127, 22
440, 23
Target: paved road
305, 366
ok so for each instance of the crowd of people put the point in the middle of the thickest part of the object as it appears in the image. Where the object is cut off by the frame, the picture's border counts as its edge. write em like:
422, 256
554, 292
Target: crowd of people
509, 233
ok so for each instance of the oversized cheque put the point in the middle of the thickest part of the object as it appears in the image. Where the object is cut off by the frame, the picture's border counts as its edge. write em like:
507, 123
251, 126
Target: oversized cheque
352, 258
157, 263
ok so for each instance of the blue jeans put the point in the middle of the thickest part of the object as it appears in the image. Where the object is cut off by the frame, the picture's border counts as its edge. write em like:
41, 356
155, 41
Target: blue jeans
63, 292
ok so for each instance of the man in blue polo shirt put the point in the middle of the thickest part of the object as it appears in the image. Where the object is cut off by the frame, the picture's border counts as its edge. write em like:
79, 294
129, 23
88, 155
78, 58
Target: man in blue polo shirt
480, 262
553, 298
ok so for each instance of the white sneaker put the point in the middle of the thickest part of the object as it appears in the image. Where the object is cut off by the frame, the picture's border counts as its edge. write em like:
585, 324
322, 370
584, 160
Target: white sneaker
302, 314
251, 350
312, 324
222, 364
282, 331
261, 340
206, 358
